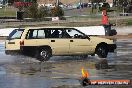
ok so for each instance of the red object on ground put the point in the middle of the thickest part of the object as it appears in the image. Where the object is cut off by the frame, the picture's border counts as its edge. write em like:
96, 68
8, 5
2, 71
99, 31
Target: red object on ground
104, 18
18, 4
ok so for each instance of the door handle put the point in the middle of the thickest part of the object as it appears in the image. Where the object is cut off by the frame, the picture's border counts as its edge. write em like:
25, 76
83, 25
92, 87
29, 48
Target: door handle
52, 40
71, 40
11, 42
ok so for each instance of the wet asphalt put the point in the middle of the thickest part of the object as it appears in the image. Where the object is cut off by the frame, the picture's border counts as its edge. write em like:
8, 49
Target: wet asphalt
63, 72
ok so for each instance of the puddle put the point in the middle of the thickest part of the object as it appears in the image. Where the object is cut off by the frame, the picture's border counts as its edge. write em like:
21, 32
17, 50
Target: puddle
2, 71
59, 71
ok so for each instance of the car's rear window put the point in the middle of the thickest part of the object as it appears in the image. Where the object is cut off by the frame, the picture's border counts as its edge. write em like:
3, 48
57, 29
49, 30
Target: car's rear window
15, 34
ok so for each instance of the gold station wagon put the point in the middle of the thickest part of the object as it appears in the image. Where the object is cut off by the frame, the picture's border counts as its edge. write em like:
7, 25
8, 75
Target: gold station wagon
44, 42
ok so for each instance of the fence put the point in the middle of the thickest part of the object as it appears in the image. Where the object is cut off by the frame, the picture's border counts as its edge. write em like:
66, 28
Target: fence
74, 21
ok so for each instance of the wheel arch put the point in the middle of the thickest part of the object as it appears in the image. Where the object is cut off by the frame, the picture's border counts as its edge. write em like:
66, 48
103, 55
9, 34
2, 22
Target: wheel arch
101, 44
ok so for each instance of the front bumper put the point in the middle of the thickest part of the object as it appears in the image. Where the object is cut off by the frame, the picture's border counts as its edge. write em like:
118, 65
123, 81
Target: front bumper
112, 47
12, 52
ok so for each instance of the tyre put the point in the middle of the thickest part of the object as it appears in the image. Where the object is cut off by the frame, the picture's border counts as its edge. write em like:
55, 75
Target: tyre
113, 32
102, 51
43, 54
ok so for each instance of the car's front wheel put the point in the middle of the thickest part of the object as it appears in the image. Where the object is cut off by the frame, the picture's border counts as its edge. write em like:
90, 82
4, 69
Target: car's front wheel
43, 54
102, 51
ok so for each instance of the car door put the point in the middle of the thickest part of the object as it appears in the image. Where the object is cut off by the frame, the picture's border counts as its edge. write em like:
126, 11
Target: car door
13, 40
79, 43
59, 45
30, 40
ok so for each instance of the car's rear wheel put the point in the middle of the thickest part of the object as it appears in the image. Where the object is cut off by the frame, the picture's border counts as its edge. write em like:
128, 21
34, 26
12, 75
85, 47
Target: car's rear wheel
43, 54
102, 51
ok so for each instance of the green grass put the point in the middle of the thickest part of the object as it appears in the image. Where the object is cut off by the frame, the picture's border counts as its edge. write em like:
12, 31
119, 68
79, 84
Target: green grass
129, 22
10, 12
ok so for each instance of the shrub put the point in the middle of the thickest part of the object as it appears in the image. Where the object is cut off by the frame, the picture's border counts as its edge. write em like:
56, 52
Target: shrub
37, 13
105, 6
31, 11
57, 11
42, 12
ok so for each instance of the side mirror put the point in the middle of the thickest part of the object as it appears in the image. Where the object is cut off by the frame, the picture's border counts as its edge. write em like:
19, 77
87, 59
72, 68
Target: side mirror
86, 37
69, 30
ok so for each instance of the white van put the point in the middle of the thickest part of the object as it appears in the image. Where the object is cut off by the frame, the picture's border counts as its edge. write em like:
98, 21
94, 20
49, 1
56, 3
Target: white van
98, 30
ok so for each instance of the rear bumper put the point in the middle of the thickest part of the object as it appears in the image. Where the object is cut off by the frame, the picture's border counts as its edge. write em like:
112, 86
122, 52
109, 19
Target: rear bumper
112, 47
12, 52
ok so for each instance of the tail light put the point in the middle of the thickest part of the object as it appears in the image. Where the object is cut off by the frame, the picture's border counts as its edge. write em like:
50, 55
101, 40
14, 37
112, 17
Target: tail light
21, 43
5, 45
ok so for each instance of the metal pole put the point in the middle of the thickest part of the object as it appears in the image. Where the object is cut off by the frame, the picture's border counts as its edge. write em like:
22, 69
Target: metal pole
117, 12
80, 6
80, 3
57, 3
6, 3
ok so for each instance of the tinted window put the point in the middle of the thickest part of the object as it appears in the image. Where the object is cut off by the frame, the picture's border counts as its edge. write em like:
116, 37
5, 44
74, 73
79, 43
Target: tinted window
16, 34
65, 34
59, 33
52, 33
36, 34
32, 34
41, 34
56, 33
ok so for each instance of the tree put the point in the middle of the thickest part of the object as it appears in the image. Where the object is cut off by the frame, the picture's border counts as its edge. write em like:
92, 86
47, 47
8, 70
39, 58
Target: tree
11, 1
32, 11
34, 1
122, 4
97, 4
105, 6
57, 11
42, 12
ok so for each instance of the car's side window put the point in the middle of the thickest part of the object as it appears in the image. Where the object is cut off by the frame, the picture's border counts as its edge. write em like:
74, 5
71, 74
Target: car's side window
65, 34
36, 34
16, 34
47, 33
59, 33
32, 34
74, 33
56, 33
41, 34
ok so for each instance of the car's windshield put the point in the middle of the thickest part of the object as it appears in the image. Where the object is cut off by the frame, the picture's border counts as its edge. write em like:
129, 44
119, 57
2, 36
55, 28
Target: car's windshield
15, 34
